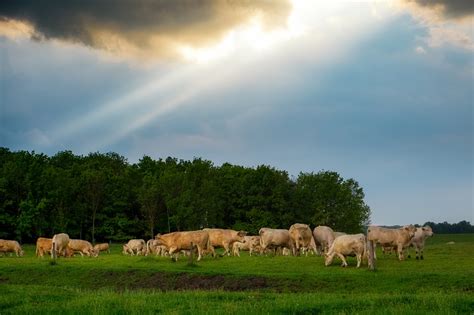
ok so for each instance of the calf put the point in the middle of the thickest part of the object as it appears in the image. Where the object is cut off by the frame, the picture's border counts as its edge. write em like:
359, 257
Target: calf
347, 245
135, 247
102, 247
7, 246
418, 241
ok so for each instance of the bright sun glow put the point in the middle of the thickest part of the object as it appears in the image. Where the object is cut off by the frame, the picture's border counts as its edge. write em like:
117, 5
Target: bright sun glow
250, 37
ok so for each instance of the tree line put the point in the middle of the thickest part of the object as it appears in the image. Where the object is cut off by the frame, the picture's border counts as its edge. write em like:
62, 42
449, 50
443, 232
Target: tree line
451, 228
103, 197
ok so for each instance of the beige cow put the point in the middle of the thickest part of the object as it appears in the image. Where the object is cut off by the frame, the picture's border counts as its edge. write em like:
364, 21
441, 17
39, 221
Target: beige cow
102, 247
347, 245
400, 238
177, 241
275, 239
8, 246
82, 247
250, 244
59, 245
418, 241
43, 245
135, 247
224, 238
301, 236
323, 237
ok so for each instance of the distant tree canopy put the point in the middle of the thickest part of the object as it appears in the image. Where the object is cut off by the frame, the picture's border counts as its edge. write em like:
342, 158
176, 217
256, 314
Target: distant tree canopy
454, 228
103, 197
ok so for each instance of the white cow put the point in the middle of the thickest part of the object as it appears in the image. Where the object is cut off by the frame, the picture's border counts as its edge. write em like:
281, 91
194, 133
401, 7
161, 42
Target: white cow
347, 245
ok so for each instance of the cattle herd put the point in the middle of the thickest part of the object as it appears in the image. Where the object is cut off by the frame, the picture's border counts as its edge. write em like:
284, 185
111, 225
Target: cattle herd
297, 240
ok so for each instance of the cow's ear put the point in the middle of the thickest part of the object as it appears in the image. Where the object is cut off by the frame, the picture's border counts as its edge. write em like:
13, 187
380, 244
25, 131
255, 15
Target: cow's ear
406, 228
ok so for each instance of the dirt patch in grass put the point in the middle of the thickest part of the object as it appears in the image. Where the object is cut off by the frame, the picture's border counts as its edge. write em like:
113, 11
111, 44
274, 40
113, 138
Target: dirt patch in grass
166, 281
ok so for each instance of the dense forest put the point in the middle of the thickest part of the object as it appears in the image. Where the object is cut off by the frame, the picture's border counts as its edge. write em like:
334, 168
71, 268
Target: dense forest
103, 197
451, 228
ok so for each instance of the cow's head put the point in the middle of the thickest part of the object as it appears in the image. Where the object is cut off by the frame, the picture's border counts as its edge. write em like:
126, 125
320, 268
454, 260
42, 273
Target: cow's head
241, 236
327, 259
427, 231
157, 236
21, 253
411, 229
95, 252
125, 249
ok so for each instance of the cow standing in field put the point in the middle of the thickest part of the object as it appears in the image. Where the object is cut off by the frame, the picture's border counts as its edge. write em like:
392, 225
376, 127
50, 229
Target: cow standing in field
323, 237
59, 245
82, 247
301, 236
418, 241
275, 238
400, 238
347, 245
102, 247
177, 241
153, 247
135, 247
224, 238
7, 246
43, 245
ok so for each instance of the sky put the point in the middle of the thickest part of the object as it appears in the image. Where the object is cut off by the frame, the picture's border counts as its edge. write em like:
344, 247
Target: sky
379, 91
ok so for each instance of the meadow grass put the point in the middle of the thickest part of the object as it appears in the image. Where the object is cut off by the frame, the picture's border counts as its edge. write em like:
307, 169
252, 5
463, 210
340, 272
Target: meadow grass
112, 283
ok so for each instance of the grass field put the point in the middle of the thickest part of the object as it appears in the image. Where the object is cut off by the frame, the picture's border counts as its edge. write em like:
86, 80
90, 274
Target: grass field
112, 283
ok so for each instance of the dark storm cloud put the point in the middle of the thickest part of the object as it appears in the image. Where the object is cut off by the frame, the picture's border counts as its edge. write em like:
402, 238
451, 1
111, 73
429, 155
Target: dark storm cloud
451, 8
141, 24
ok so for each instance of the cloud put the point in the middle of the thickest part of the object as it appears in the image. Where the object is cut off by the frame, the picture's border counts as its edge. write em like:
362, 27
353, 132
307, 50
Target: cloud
141, 28
420, 50
452, 9
447, 21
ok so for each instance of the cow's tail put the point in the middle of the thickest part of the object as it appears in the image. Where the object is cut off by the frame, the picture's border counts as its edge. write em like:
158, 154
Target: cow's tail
148, 250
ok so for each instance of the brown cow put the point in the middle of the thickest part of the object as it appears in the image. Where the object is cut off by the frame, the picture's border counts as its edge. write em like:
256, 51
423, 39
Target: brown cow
400, 238
43, 245
224, 238
177, 241
102, 247
7, 246
301, 236
82, 247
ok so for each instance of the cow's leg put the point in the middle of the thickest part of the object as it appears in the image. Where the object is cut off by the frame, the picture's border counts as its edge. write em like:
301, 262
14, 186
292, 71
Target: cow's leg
171, 252
359, 260
226, 249
344, 262
400, 252
199, 252
375, 251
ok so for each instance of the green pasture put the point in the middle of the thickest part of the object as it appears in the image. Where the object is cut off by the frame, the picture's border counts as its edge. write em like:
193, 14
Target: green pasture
112, 283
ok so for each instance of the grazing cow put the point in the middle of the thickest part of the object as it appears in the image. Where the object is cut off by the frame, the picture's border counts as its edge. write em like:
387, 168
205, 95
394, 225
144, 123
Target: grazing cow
249, 244
102, 247
224, 238
301, 236
323, 237
135, 247
177, 241
82, 247
43, 245
7, 246
59, 245
347, 245
153, 247
418, 241
275, 238
400, 238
